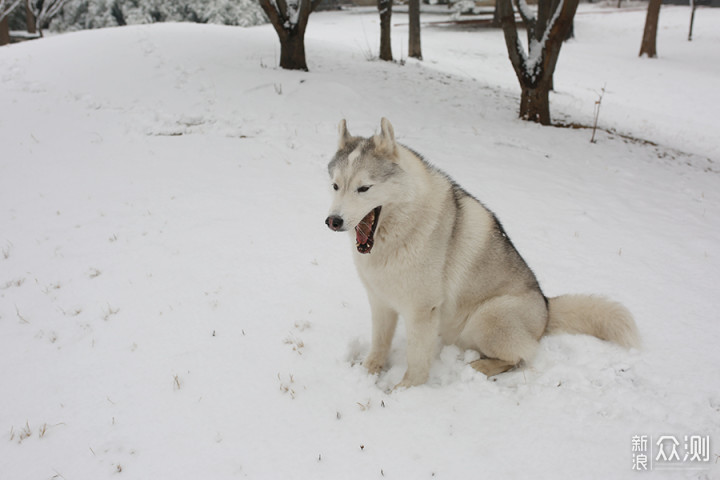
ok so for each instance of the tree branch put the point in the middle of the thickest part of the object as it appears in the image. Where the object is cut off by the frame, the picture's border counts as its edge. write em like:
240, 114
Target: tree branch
5, 10
528, 18
272, 13
304, 9
512, 41
558, 29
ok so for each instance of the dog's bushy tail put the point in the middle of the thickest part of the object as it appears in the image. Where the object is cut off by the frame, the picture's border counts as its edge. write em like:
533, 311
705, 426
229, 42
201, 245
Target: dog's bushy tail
593, 315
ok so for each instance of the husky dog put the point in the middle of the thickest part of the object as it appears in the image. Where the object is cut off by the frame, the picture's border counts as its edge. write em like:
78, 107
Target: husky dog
427, 250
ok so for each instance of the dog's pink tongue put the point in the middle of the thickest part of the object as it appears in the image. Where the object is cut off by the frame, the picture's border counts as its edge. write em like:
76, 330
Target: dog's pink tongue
364, 228
362, 232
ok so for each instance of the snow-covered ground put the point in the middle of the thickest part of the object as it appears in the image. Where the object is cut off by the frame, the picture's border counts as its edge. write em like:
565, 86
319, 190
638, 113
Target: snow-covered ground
173, 307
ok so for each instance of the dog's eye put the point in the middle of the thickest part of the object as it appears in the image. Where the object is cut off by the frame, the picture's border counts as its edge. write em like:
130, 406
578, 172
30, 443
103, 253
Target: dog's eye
364, 188
335, 187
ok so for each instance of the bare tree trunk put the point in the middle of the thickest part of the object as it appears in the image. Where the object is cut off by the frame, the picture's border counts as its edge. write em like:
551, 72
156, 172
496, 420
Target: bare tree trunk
36, 7
496, 16
530, 23
650, 34
571, 32
385, 9
535, 104
30, 19
290, 27
693, 5
292, 51
544, 10
4, 31
414, 49
536, 77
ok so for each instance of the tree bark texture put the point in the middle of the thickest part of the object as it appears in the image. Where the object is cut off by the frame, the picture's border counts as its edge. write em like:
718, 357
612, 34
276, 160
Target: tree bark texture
650, 34
414, 49
291, 35
496, 16
30, 20
535, 104
536, 80
292, 51
385, 9
4, 31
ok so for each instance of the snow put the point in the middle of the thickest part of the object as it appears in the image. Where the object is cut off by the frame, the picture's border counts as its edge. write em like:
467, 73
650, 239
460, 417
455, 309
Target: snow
525, 10
172, 305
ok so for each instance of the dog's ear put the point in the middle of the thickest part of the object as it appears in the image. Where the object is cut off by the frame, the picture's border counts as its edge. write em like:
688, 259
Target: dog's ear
385, 142
344, 135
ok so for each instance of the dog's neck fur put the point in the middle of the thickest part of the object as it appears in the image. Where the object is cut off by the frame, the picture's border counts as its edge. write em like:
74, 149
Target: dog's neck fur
418, 213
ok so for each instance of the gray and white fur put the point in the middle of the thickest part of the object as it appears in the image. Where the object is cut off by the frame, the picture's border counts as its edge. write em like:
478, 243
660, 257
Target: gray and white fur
429, 251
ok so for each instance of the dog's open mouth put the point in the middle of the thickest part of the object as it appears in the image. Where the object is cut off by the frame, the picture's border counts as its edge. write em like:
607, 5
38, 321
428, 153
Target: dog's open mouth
365, 231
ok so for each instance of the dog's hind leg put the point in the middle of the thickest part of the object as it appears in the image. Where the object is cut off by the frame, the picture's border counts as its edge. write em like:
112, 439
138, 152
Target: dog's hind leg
492, 366
506, 331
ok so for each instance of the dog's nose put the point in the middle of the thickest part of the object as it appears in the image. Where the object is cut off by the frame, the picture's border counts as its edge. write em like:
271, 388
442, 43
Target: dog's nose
334, 222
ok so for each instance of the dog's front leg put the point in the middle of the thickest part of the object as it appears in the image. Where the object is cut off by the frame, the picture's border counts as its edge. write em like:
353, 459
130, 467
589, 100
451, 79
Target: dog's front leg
384, 321
422, 333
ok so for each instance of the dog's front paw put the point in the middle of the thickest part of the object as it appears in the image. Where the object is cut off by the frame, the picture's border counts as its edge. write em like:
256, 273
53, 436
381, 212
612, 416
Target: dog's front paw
374, 363
402, 385
411, 380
